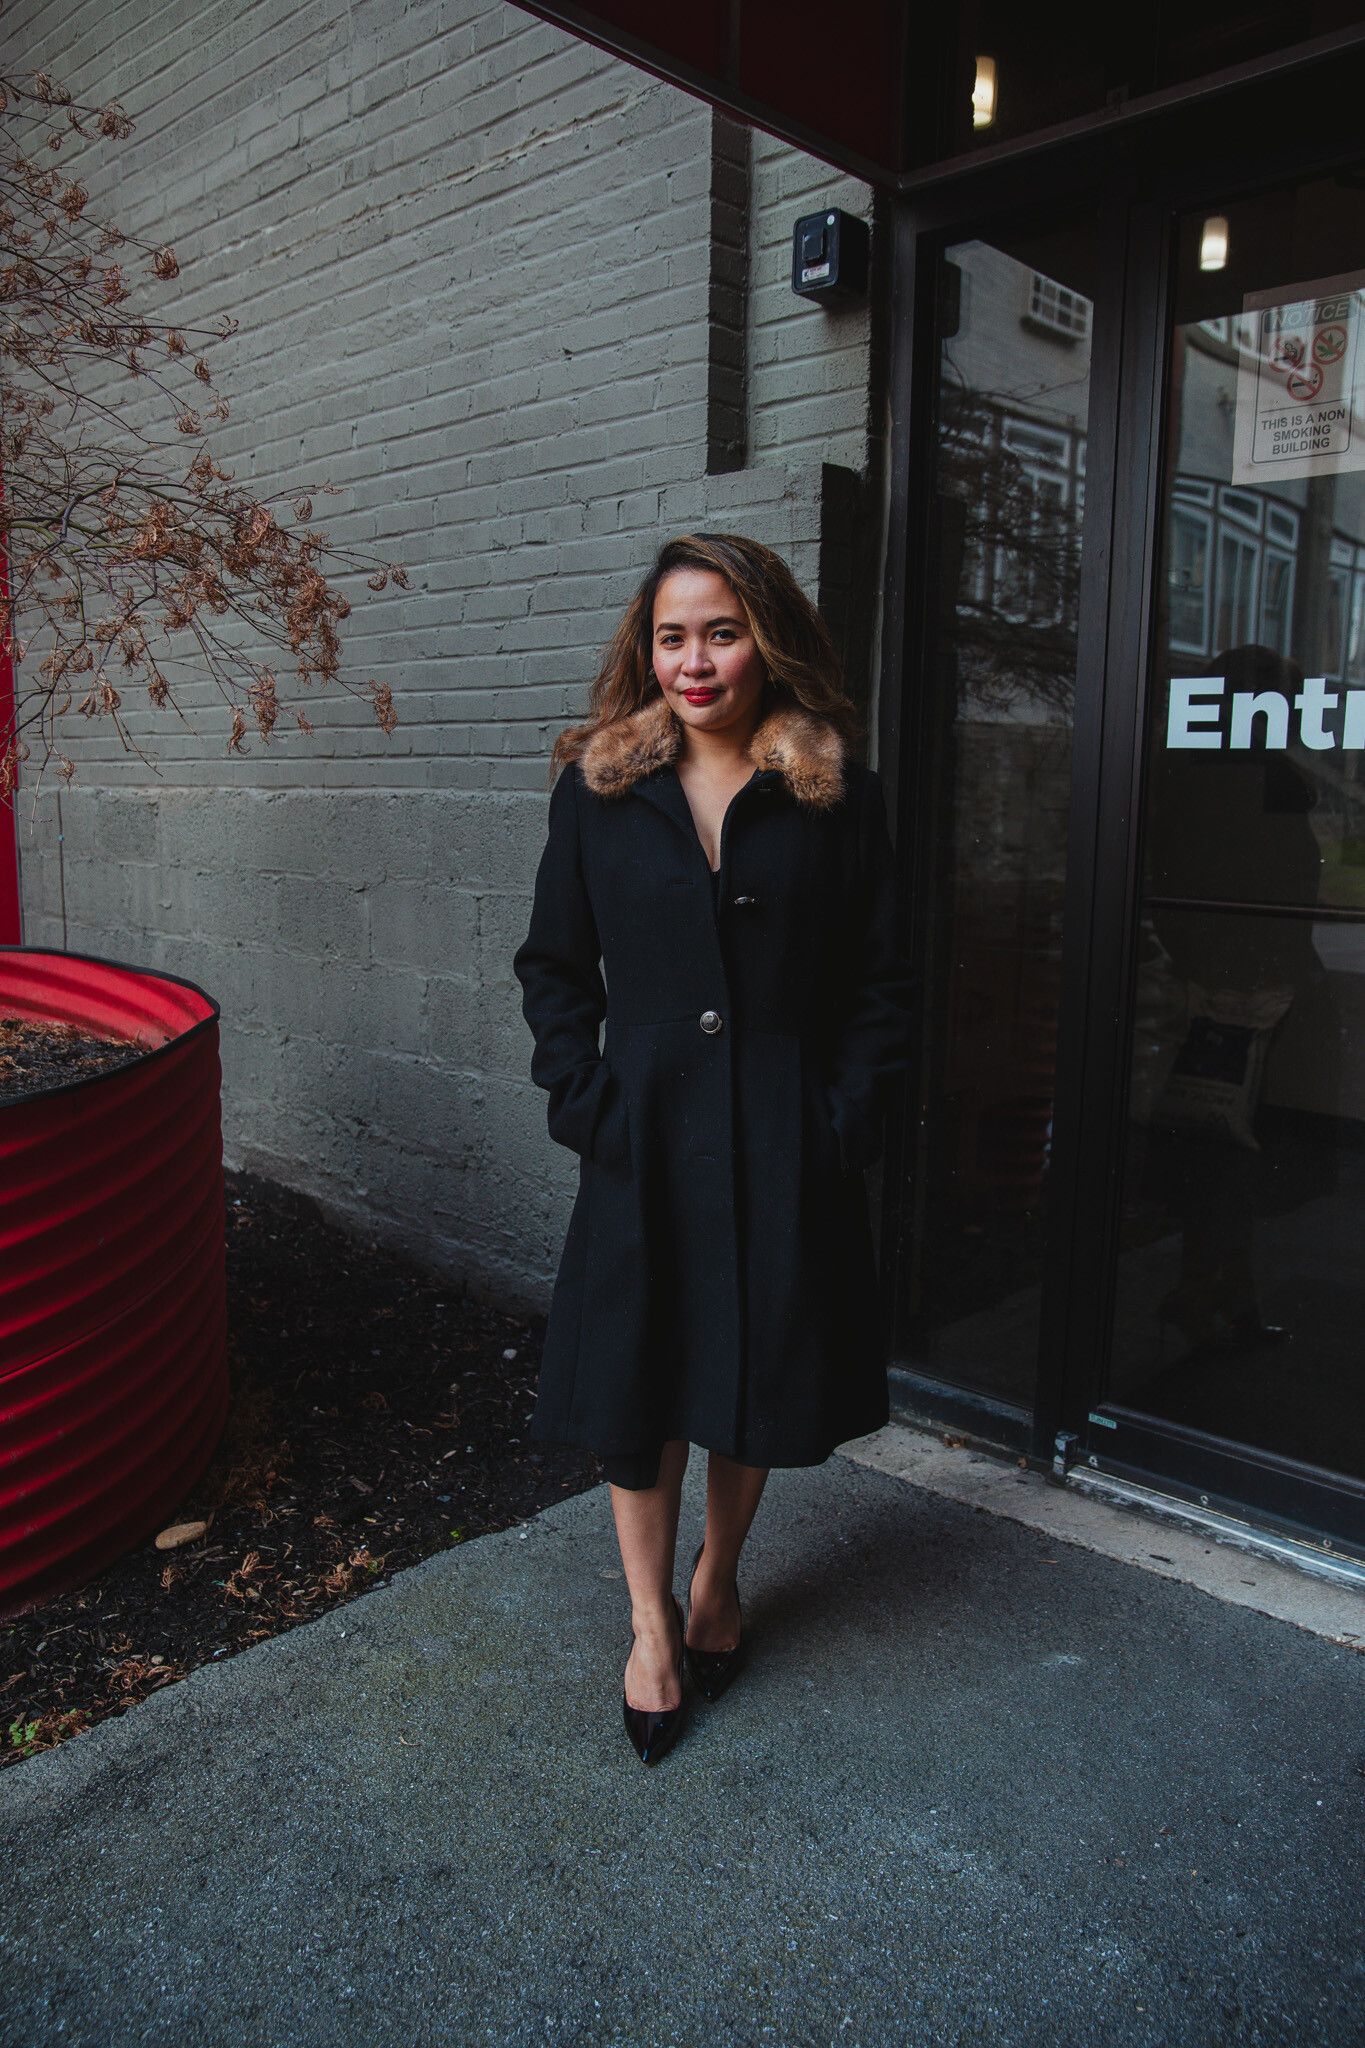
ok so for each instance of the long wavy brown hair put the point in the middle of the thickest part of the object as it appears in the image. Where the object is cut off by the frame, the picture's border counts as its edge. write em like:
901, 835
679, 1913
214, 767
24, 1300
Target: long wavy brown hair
798, 654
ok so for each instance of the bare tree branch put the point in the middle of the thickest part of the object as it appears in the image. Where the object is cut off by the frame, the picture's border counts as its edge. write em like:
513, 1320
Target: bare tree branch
110, 534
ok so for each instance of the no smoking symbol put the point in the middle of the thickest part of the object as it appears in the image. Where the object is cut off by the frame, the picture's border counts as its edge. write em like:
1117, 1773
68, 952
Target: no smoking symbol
1329, 345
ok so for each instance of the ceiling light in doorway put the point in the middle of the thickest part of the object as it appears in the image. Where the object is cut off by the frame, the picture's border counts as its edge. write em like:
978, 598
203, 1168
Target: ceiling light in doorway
983, 93
1213, 243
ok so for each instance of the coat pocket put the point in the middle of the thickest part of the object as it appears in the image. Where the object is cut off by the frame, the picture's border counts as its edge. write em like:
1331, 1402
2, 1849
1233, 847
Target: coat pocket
610, 1144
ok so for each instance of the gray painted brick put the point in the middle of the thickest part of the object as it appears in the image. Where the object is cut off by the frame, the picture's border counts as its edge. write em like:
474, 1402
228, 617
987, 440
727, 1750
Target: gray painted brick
422, 925
472, 258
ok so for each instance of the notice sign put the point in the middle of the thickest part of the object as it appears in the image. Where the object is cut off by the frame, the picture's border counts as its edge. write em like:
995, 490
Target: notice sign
1299, 399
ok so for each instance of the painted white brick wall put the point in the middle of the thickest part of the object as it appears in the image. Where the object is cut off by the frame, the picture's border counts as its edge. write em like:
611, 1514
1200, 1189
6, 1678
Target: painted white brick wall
469, 256
808, 393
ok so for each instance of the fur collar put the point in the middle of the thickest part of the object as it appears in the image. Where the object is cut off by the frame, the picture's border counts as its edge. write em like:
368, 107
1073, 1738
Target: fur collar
805, 749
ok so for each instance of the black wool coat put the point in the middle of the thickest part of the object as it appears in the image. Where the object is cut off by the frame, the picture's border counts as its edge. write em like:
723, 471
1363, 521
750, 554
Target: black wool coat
718, 1280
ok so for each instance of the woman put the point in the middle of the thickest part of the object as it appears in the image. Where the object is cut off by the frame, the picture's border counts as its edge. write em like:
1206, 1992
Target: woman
713, 846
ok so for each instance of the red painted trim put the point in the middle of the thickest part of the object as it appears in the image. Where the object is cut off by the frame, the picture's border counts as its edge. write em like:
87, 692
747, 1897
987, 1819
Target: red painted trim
113, 1306
10, 920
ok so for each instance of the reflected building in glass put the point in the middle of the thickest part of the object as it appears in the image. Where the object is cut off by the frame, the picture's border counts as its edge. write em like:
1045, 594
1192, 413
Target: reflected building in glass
1239, 1285
1009, 501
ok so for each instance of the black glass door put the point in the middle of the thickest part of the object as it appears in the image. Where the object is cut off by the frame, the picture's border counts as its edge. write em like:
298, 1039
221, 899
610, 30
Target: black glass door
1007, 531
1134, 1158
1239, 1299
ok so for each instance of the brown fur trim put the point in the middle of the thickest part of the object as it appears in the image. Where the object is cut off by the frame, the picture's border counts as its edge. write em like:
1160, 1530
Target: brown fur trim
805, 749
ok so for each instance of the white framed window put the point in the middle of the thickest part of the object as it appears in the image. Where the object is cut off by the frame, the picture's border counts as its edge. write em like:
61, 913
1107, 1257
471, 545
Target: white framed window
1188, 579
1282, 524
1277, 600
1355, 632
1020, 577
1044, 445
1242, 506
1239, 562
1237, 330
1057, 309
1339, 597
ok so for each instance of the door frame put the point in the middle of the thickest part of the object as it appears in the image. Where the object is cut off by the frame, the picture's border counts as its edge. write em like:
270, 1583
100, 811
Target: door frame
1208, 149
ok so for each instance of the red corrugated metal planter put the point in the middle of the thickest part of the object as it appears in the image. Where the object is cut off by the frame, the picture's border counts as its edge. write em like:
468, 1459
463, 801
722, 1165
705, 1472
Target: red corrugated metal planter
113, 1294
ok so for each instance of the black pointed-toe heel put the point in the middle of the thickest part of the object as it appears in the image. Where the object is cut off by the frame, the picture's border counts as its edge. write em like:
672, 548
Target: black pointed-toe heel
713, 1670
654, 1731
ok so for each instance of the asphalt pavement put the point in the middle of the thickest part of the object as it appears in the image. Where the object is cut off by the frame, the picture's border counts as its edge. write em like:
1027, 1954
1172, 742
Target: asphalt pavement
978, 1784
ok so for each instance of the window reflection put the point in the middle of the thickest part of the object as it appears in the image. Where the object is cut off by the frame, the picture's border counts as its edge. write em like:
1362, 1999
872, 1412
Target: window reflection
1239, 1295
1013, 397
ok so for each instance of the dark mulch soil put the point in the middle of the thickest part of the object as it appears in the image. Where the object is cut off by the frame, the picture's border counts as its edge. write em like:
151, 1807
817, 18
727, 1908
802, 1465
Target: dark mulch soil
377, 1416
34, 1056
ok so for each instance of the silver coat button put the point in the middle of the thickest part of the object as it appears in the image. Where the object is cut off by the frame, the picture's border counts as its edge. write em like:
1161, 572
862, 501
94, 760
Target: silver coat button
710, 1020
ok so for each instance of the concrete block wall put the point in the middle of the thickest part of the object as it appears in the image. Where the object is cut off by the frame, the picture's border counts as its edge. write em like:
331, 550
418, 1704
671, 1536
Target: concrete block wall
471, 258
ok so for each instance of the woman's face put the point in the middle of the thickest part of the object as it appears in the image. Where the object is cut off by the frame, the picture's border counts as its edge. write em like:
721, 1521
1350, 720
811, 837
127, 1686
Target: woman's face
704, 655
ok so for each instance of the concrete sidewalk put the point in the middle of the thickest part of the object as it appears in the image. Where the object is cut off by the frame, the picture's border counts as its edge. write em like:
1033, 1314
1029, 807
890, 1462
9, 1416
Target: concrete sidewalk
978, 1785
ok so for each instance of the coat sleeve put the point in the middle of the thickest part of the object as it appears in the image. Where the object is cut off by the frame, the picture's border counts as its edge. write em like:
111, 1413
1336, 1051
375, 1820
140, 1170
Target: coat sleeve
873, 1046
564, 997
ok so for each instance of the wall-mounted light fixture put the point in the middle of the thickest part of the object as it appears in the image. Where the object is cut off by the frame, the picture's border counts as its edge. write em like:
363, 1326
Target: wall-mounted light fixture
983, 93
1213, 243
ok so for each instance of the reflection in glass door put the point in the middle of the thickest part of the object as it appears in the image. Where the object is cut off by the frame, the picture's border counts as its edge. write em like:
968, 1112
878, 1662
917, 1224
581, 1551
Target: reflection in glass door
1011, 419
1241, 1288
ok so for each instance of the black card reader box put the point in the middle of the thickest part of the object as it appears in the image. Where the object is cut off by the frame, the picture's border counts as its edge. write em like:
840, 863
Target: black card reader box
829, 255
